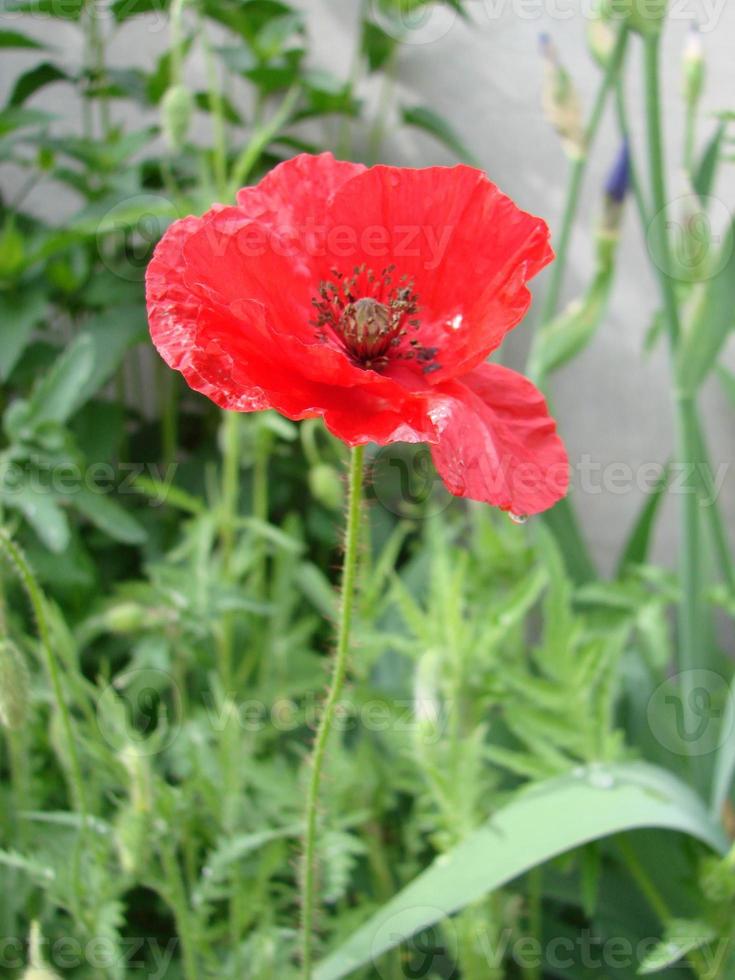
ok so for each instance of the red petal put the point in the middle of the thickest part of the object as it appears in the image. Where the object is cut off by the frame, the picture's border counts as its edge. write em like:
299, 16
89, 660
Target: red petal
468, 248
497, 443
296, 193
212, 313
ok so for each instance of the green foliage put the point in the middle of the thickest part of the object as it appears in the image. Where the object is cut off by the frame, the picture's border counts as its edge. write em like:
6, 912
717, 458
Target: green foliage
500, 734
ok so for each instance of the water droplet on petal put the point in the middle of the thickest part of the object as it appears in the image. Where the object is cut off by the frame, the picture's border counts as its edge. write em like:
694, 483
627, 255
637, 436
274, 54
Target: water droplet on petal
517, 518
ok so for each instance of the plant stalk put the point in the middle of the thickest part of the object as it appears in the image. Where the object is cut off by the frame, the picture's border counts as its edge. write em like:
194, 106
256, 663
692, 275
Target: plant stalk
339, 671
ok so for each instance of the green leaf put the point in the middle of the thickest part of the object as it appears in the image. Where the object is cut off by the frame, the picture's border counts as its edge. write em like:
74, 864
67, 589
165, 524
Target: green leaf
635, 551
564, 524
13, 39
56, 396
19, 314
41, 510
570, 332
550, 819
64, 9
724, 773
682, 936
437, 126
123, 10
34, 80
727, 378
704, 178
108, 516
714, 317
377, 46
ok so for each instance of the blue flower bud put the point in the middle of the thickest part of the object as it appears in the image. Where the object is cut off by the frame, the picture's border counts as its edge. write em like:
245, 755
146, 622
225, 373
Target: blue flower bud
618, 181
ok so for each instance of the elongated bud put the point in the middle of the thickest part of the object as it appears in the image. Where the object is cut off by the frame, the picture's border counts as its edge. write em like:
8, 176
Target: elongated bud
14, 685
37, 969
600, 40
561, 102
616, 190
177, 108
694, 68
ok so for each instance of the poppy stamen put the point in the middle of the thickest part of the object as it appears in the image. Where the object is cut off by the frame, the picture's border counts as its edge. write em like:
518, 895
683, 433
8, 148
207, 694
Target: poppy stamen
370, 316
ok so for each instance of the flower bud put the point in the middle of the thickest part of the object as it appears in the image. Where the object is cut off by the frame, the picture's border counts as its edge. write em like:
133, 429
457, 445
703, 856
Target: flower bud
561, 102
694, 68
326, 486
125, 617
616, 190
600, 40
177, 108
14, 685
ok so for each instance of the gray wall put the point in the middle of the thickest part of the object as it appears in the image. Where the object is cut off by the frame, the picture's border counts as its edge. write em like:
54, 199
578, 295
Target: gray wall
614, 403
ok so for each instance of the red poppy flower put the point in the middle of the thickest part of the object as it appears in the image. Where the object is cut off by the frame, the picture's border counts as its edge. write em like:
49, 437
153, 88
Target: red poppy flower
371, 298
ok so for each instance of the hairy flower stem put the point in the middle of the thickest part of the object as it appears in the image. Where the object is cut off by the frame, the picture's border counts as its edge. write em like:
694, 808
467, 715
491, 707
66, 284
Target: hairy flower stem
690, 602
309, 896
27, 579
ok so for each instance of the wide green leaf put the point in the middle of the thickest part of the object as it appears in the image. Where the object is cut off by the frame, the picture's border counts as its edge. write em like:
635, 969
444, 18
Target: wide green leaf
108, 516
19, 314
549, 819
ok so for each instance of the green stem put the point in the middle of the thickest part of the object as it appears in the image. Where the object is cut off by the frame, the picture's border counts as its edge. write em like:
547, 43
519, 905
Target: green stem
713, 512
35, 597
177, 899
551, 300
690, 138
377, 131
718, 529
690, 604
339, 671
216, 108
229, 508
625, 132
261, 505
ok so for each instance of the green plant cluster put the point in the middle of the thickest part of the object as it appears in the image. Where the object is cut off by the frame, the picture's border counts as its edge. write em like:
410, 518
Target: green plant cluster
532, 770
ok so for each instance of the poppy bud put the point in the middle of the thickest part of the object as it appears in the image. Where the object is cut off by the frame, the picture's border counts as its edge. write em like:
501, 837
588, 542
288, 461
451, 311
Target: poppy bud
694, 68
177, 107
643, 16
326, 486
561, 102
14, 685
125, 617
